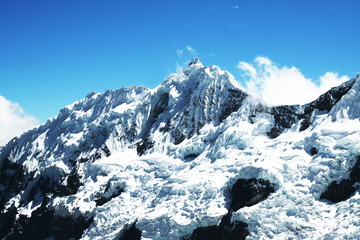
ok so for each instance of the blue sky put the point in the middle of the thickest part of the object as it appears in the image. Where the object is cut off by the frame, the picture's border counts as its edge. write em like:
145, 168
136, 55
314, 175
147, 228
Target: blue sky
53, 53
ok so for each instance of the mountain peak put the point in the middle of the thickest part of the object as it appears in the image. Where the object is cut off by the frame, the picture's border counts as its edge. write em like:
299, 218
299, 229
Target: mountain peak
194, 61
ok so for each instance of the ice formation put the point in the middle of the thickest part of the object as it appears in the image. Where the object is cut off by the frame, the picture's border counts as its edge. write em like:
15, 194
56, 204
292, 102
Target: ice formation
165, 163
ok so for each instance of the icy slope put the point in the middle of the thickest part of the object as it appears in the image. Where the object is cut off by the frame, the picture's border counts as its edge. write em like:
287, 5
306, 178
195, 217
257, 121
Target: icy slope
175, 162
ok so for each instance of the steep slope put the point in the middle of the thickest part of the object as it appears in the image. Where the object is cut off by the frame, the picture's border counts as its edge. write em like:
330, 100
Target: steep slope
176, 161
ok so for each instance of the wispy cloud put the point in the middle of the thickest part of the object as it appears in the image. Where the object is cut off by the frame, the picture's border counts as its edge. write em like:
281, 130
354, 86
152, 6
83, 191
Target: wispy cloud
179, 52
13, 120
277, 85
235, 6
185, 55
190, 49
187, 50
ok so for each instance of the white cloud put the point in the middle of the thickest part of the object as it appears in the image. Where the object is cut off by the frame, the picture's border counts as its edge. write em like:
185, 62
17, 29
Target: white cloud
278, 85
235, 7
263, 61
179, 52
186, 51
248, 69
331, 79
13, 120
190, 49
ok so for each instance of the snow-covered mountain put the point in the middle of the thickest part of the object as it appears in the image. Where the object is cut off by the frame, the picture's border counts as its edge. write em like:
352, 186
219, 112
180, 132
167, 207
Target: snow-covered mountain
194, 158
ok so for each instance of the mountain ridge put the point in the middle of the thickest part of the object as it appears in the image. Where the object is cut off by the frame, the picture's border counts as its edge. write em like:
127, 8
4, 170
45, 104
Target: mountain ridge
136, 151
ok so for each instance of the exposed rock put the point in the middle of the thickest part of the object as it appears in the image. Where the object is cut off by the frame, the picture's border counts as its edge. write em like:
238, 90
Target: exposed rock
143, 146
73, 182
191, 156
313, 151
245, 192
131, 233
248, 192
233, 103
286, 116
342, 190
7, 221
108, 195
45, 223
355, 172
52, 181
195, 60
236, 231
337, 192
106, 150
324, 103
274, 132
12, 180
156, 109
327, 100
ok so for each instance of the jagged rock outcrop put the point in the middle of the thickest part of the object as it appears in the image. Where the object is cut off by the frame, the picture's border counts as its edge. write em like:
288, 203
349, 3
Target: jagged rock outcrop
43, 223
341, 190
248, 192
245, 192
132, 233
286, 116
234, 231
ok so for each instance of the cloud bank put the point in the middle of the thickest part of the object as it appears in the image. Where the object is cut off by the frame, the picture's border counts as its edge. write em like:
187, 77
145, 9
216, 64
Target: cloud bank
282, 85
13, 120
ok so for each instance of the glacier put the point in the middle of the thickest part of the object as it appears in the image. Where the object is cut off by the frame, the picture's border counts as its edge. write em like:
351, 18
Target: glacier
164, 163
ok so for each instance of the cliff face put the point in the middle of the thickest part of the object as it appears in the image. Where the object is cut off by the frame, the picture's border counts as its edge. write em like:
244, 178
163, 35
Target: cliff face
194, 158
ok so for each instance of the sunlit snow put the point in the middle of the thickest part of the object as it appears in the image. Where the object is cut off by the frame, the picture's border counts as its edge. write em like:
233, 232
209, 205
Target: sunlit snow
174, 188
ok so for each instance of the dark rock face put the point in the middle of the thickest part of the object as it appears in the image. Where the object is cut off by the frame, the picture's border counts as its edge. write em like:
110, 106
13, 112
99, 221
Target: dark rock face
340, 191
131, 234
73, 182
248, 192
158, 108
232, 104
143, 146
313, 151
108, 195
7, 221
327, 100
286, 116
245, 192
12, 181
355, 172
337, 192
50, 182
44, 223
234, 231
274, 132
194, 61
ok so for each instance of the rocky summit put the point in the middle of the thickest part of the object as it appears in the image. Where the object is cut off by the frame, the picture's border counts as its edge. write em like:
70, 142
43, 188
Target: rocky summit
195, 158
